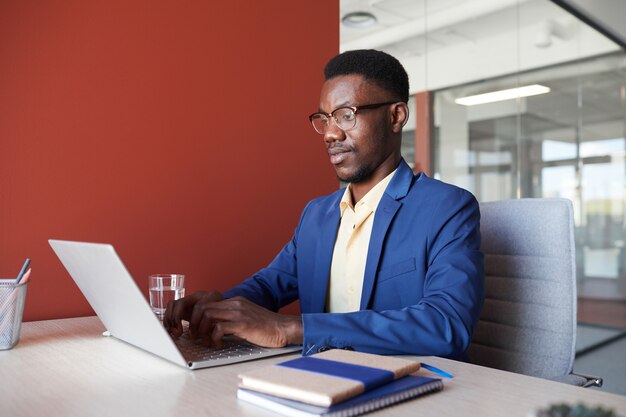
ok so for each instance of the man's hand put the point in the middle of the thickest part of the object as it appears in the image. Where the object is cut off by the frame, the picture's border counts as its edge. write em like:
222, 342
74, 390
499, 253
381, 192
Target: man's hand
210, 317
183, 308
242, 318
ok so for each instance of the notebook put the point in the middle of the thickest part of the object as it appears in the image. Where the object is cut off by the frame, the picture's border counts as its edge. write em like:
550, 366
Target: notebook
327, 378
113, 294
402, 389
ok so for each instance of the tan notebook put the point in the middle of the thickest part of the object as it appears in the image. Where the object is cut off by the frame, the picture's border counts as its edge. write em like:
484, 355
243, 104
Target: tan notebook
327, 378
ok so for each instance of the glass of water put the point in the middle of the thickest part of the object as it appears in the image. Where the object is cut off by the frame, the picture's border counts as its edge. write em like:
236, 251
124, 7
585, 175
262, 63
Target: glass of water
163, 289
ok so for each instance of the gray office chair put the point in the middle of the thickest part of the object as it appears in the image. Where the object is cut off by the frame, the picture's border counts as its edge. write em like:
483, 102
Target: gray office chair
528, 322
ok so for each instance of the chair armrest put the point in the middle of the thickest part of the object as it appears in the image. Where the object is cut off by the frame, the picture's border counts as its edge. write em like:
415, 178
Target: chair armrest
592, 381
579, 380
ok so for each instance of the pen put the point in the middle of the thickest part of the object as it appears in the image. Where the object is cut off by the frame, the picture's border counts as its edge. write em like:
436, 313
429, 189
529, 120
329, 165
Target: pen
436, 370
25, 277
19, 276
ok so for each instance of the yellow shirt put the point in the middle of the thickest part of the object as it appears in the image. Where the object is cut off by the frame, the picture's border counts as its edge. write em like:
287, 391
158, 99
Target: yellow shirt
350, 253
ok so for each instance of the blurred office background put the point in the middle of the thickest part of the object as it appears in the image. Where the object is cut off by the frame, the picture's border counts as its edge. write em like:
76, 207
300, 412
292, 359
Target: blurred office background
568, 140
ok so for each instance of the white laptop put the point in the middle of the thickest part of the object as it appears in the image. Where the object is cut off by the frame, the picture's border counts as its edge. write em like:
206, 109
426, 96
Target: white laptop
113, 294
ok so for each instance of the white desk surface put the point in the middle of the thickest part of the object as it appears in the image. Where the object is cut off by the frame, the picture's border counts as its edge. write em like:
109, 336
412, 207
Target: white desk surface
66, 368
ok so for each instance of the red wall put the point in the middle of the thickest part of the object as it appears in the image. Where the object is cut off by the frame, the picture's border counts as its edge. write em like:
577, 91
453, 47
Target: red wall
175, 130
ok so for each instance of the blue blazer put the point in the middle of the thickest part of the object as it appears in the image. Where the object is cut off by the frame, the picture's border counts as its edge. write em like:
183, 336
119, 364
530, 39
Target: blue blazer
423, 285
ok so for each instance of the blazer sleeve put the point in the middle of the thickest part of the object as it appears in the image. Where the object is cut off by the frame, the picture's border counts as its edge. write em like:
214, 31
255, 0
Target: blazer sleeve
442, 322
276, 285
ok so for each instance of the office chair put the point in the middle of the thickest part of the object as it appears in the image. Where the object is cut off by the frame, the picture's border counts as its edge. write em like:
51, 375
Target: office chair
528, 322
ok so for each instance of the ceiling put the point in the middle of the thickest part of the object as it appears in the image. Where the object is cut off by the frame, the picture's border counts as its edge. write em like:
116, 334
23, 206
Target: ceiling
490, 38
607, 16
410, 27
436, 33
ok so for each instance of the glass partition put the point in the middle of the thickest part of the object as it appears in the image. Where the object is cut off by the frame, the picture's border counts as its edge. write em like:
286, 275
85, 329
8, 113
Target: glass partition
567, 143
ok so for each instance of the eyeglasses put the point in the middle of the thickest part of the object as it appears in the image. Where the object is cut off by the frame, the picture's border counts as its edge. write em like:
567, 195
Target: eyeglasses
345, 117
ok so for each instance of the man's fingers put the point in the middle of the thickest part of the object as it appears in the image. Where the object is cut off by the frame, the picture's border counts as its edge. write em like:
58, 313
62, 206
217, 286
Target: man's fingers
196, 320
205, 315
223, 328
213, 315
193, 310
205, 327
172, 318
177, 311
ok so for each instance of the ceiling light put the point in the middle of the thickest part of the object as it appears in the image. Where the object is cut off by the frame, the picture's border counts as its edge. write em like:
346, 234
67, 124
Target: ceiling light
511, 93
549, 29
359, 20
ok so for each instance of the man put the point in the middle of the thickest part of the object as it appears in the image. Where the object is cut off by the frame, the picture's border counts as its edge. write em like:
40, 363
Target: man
389, 265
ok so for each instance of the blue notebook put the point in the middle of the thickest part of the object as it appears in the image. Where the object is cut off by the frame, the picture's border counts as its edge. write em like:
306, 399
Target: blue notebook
327, 378
394, 392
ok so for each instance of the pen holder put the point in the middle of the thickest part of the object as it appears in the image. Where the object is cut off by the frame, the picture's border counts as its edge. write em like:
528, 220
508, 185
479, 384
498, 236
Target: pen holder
12, 299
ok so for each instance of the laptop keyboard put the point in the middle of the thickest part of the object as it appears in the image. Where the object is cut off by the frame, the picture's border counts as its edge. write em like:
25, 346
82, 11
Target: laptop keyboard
233, 350
194, 349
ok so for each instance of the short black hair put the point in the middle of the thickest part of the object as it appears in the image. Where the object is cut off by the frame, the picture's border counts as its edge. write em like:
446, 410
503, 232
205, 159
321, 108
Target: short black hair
376, 66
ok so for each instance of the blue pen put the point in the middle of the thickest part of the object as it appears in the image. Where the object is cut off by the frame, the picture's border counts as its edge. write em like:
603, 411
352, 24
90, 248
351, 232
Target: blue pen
436, 370
24, 268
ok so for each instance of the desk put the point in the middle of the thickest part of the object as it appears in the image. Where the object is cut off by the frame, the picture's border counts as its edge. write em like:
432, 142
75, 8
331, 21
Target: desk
66, 368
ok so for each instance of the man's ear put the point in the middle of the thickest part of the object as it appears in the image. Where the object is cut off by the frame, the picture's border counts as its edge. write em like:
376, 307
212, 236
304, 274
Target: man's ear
400, 114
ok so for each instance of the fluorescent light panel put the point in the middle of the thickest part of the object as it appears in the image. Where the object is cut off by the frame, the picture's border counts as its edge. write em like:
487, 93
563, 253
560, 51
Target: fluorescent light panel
511, 93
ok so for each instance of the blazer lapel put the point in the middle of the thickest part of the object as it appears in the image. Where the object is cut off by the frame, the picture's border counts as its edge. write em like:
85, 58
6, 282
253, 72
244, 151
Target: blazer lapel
385, 213
325, 247
387, 208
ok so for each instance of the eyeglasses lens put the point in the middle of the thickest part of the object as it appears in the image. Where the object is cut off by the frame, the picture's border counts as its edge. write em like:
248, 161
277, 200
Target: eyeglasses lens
320, 123
344, 118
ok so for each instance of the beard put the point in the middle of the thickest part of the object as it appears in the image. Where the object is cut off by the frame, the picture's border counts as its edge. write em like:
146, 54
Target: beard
361, 174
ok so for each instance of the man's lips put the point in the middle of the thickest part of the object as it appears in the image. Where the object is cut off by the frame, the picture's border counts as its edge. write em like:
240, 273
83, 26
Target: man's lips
337, 155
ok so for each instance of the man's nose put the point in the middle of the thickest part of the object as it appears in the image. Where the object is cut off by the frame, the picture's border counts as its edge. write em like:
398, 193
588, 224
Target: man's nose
333, 133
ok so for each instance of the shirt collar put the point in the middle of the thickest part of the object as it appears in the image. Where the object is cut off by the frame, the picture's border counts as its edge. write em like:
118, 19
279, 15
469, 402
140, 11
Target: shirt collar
371, 199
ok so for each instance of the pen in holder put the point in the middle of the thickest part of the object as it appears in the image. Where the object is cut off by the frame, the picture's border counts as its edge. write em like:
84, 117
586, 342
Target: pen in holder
12, 299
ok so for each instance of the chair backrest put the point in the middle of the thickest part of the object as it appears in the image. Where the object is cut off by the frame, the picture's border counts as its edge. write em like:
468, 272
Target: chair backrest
528, 322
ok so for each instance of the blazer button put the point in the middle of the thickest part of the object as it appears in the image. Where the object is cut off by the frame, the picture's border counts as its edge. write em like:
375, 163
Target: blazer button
324, 348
